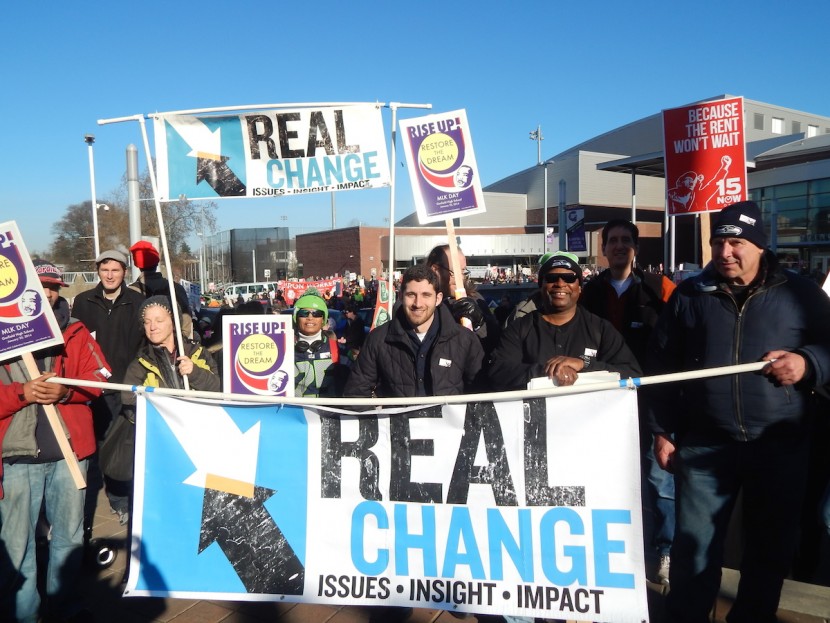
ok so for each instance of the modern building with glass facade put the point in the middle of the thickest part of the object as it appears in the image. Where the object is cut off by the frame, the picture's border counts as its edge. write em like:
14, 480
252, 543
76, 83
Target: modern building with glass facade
248, 255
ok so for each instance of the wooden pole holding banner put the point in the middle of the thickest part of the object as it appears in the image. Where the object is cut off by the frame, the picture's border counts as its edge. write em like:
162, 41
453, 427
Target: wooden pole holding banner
455, 265
55, 423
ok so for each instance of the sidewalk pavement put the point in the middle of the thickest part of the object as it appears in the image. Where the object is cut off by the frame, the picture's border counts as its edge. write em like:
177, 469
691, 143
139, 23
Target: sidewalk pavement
800, 603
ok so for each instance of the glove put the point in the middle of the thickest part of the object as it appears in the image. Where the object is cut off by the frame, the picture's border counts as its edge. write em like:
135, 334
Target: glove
468, 308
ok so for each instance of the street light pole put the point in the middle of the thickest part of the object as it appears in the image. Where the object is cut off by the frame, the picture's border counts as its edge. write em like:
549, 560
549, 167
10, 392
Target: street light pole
537, 136
89, 139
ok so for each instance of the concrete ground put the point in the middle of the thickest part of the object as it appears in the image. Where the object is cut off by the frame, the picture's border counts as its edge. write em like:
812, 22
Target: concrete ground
800, 603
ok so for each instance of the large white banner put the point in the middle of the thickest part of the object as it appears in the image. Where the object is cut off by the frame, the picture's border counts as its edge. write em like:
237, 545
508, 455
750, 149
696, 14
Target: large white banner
527, 508
271, 153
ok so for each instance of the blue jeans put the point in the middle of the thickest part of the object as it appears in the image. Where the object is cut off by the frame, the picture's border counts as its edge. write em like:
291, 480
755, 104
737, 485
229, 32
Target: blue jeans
771, 474
27, 487
658, 504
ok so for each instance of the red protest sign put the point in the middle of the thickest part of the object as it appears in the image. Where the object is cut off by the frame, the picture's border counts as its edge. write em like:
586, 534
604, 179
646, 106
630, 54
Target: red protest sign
705, 156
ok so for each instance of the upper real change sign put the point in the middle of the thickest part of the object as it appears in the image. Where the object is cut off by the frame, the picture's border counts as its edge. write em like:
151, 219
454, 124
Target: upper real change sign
442, 166
26, 319
705, 156
271, 153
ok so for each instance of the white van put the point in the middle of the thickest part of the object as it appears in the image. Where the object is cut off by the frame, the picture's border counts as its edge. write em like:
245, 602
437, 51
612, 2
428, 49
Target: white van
247, 290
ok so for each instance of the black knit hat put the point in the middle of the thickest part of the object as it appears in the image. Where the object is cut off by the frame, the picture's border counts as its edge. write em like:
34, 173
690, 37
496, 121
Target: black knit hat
741, 220
154, 301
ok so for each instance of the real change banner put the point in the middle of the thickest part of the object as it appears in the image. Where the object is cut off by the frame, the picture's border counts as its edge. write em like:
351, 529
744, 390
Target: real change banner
26, 319
705, 156
442, 166
527, 508
271, 153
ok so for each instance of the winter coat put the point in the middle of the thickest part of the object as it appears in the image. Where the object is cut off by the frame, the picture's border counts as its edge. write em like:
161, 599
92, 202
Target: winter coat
704, 327
530, 341
80, 358
386, 365
115, 326
636, 311
152, 368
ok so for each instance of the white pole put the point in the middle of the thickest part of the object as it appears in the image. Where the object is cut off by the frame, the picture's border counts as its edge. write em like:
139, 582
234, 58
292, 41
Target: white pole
634, 195
90, 139
393, 106
198, 111
163, 236
429, 400
253, 260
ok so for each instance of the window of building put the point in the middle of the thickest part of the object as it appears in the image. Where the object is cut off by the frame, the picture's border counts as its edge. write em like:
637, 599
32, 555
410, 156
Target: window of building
777, 125
759, 121
812, 130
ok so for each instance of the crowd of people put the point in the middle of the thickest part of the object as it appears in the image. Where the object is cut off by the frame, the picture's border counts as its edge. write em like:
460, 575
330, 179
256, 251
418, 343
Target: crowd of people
704, 442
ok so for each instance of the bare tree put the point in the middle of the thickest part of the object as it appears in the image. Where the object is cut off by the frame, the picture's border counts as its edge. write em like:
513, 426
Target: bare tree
73, 245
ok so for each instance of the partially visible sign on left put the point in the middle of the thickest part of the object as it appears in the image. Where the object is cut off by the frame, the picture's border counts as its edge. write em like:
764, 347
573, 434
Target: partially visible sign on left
26, 319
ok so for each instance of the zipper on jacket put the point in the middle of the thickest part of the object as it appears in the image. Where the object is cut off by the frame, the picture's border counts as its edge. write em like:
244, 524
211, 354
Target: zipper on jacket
739, 420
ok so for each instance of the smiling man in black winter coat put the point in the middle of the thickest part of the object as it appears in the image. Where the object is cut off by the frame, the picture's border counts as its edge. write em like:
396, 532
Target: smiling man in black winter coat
421, 351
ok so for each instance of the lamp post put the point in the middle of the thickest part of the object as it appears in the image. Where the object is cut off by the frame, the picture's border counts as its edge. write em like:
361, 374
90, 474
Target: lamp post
89, 139
201, 235
536, 135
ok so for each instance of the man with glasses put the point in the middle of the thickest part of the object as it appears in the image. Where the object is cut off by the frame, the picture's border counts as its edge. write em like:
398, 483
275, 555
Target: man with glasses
632, 299
317, 371
472, 307
561, 340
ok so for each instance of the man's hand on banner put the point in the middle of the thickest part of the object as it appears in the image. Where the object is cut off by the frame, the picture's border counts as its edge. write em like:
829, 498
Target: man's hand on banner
44, 393
564, 369
664, 449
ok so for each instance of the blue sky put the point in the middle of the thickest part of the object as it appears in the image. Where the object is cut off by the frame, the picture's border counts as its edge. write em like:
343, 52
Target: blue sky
576, 68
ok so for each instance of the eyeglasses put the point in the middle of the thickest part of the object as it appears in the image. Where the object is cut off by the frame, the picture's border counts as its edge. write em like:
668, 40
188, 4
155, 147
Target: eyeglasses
314, 313
465, 272
566, 277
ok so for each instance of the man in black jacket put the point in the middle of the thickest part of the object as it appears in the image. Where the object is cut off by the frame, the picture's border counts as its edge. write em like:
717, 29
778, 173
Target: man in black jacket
632, 300
745, 433
561, 339
422, 351
110, 313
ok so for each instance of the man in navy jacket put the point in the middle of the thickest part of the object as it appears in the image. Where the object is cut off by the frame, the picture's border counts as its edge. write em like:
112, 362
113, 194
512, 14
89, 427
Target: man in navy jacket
745, 432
